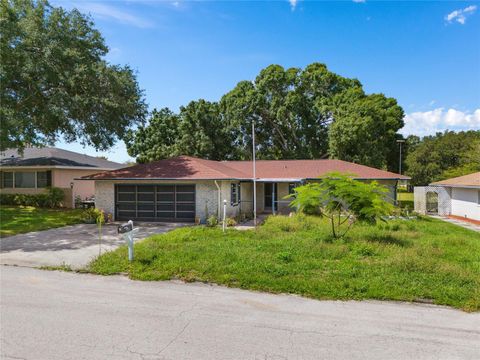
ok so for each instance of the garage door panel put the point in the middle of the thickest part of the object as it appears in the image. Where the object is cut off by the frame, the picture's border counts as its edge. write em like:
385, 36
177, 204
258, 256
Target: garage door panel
146, 207
146, 197
185, 215
166, 207
166, 197
165, 188
155, 202
186, 207
126, 189
186, 188
127, 206
166, 214
146, 188
145, 214
126, 197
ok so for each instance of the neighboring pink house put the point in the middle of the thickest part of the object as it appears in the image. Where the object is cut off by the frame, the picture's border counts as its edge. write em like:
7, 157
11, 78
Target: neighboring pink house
39, 168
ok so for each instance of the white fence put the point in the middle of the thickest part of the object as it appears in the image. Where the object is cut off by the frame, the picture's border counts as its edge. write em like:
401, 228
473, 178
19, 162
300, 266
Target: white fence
432, 200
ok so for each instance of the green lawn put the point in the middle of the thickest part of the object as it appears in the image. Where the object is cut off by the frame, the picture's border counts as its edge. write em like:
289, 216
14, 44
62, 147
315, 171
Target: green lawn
417, 260
405, 200
23, 219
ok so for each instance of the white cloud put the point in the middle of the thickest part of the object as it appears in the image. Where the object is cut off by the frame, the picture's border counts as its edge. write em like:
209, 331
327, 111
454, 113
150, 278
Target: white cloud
359, 1
293, 4
104, 11
438, 120
461, 15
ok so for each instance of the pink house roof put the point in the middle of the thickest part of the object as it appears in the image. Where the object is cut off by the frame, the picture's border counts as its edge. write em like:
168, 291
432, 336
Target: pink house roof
471, 180
191, 168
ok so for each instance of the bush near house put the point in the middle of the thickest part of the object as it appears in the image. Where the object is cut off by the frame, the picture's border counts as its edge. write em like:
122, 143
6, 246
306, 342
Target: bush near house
53, 198
418, 260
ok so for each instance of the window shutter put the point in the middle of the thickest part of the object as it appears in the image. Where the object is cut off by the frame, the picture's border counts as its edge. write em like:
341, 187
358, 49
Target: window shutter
49, 178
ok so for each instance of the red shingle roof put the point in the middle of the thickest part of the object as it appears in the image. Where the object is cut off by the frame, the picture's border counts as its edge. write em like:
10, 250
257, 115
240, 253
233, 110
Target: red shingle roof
309, 169
190, 168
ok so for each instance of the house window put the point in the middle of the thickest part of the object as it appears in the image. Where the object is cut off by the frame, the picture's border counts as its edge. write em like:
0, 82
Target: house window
44, 179
25, 179
234, 194
7, 179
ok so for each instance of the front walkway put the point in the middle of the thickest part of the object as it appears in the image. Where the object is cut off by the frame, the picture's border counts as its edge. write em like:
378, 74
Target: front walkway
461, 223
74, 246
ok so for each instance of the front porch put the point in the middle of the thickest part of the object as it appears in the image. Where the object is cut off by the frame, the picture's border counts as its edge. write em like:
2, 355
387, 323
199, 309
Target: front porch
270, 196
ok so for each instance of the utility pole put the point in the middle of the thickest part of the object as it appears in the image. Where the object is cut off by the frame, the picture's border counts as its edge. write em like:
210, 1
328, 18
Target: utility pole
254, 177
400, 142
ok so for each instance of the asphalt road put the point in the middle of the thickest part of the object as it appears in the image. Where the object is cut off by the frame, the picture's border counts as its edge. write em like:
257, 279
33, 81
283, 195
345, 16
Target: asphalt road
55, 315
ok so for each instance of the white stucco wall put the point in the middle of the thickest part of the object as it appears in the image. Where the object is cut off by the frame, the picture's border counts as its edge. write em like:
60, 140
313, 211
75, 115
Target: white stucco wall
465, 203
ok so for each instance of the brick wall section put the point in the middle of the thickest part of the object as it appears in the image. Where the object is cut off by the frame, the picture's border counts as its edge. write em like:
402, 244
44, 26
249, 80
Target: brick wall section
105, 196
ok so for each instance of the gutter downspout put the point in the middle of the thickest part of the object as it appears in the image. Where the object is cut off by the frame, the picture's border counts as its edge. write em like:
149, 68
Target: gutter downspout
219, 198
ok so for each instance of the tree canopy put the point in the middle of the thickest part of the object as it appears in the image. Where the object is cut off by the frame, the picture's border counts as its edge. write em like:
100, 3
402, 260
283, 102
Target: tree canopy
55, 81
442, 156
298, 113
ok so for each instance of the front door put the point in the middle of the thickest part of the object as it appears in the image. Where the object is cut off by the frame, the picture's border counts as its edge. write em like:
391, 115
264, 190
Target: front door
270, 188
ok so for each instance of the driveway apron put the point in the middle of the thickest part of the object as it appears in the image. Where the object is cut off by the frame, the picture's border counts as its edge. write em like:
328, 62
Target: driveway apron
74, 246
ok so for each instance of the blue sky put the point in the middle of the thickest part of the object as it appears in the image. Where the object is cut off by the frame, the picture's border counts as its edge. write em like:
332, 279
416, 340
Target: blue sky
425, 54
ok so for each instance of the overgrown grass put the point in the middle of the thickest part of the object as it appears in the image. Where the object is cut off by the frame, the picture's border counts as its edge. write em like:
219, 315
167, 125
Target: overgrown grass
418, 260
23, 219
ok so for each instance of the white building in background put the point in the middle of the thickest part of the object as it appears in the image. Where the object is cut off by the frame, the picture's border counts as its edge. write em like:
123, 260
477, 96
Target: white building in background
464, 195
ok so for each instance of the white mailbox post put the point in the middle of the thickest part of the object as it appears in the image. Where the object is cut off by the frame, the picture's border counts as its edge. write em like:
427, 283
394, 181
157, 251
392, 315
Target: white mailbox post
127, 232
224, 224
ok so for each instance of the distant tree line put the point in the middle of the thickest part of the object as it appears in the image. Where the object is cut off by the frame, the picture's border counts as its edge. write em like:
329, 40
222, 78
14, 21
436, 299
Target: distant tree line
309, 113
442, 156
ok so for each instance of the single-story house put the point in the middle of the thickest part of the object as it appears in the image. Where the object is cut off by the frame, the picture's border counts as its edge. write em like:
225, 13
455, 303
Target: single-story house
39, 168
188, 189
464, 194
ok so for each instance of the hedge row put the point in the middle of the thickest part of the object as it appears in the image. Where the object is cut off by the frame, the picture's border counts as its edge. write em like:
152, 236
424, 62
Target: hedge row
52, 198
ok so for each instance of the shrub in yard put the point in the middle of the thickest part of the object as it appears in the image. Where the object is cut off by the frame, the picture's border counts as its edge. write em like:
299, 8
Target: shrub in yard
52, 198
343, 200
212, 221
230, 221
93, 216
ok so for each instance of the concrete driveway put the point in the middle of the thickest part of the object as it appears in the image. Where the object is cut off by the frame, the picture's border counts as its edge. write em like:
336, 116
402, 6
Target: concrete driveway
54, 315
74, 246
